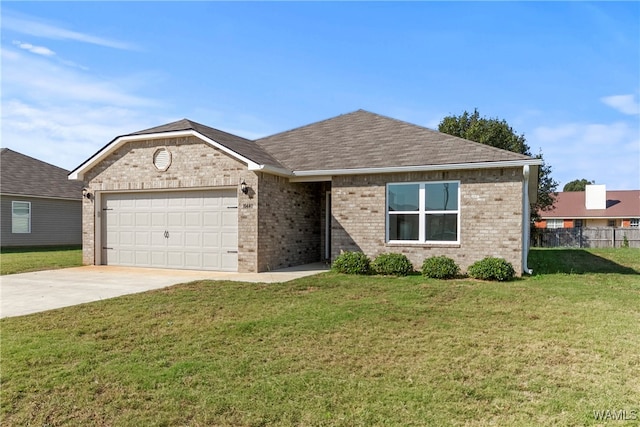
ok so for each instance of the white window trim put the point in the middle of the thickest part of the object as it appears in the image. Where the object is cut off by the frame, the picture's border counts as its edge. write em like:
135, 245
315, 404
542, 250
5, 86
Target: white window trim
555, 223
634, 222
13, 217
422, 213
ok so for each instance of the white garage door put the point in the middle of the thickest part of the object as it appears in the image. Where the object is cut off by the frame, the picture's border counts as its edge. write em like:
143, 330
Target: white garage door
195, 230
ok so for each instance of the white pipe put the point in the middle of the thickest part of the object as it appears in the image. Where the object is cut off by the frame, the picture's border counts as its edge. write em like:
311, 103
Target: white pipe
526, 219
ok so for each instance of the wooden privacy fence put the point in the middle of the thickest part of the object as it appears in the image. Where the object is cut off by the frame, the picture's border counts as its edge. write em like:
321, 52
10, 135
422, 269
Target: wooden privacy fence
581, 237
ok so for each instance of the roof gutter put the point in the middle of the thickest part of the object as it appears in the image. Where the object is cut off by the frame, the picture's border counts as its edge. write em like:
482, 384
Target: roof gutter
418, 168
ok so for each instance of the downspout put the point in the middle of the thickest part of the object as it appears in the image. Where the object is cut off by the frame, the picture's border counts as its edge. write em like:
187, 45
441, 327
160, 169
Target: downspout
526, 219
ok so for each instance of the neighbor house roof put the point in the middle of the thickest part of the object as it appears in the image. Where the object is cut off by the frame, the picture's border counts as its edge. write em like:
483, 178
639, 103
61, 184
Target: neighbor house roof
571, 205
25, 176
358, 142
366, 140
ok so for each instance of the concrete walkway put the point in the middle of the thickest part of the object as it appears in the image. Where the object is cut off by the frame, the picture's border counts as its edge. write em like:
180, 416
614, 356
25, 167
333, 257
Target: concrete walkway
28, 293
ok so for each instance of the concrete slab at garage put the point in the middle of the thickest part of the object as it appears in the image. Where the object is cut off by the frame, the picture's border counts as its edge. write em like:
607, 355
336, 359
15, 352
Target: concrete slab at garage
29, 293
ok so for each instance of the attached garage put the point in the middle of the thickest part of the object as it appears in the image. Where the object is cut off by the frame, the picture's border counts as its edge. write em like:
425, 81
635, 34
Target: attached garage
171, 229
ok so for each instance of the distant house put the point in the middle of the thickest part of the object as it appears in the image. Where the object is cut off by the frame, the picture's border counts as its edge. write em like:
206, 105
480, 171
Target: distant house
39, 205
594, 207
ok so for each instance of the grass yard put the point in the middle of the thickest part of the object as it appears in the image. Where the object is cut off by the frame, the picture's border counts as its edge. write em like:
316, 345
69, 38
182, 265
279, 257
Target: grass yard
335, 350
22, 260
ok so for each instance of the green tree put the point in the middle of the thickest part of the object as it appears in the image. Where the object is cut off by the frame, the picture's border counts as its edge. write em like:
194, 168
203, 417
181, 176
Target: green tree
497, 133
577, 185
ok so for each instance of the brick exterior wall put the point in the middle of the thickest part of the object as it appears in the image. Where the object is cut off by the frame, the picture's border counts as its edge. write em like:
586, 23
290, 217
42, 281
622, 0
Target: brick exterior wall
281, 224
289, 223
490, 216
194, 165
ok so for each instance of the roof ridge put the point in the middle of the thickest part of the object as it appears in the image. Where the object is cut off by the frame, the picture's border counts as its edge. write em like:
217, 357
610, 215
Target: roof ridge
312, 124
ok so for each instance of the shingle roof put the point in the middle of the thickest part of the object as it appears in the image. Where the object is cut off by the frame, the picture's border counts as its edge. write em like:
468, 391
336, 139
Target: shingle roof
571, 205
344, 144
245, 147
24, 175
363, 139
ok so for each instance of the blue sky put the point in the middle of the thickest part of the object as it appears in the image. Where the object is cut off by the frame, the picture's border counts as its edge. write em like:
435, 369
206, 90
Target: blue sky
566, 75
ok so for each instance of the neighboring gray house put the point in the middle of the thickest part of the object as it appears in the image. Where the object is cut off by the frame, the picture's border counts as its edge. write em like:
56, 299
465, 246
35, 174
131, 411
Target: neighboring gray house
184, 195
39, 206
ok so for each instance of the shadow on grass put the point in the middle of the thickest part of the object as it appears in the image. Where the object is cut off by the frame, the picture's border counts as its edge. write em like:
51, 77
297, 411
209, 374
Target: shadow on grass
573, 261
25, 249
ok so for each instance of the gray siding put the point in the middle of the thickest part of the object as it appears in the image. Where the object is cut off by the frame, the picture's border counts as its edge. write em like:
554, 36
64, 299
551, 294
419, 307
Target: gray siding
53, 222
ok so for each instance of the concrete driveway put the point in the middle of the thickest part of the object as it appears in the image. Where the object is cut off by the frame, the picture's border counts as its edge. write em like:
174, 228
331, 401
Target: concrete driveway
28, 293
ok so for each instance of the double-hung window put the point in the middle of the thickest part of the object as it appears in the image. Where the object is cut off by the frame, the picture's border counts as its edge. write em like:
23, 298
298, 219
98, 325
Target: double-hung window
423, 212
21, 217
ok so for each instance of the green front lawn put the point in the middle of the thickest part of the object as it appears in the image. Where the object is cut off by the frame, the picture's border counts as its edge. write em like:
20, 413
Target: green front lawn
332, 349
22, 260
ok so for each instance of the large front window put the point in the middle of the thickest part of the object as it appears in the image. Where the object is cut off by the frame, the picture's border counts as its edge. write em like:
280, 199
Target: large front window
423, 212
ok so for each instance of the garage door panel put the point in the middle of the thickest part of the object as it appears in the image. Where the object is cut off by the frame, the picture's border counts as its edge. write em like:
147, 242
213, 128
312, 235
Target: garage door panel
125, 219
126, 238
126, 257
211, 219
193, 260
193, 239
143, 238
193, 219
211, 240
158, 258
211, 261
230, 218
175, 259
158, 219
158, 240
143, 219
143, 258
142, 202
229, 261
182, 229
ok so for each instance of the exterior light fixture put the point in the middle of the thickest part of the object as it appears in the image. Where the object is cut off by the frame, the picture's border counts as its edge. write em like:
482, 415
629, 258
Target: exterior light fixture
86, 193
243, 187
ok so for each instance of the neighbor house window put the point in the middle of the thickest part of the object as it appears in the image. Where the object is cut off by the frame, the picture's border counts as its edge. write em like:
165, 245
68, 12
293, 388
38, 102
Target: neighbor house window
634, 222
423, 212
21, 217
577, 223
555, 223
611, 223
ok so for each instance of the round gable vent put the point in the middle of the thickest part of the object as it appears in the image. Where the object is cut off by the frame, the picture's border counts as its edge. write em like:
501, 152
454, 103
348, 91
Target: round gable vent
162, 159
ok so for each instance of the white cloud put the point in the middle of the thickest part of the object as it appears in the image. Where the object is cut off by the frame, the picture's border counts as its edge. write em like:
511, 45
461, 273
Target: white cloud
39, 50
35, 27
608, 153
626, 104
64, 115
42, 81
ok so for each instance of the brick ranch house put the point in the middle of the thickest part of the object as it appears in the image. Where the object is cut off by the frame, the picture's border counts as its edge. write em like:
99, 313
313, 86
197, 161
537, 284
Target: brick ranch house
184, 195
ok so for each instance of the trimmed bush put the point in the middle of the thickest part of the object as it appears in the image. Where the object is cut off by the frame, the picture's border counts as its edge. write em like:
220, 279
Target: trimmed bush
352, 263
392, 264
492, 268
440, 267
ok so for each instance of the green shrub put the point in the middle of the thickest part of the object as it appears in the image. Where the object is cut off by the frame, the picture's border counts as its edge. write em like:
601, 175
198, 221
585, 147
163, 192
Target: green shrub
492, 269
392, 264
440, 267
352, 263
